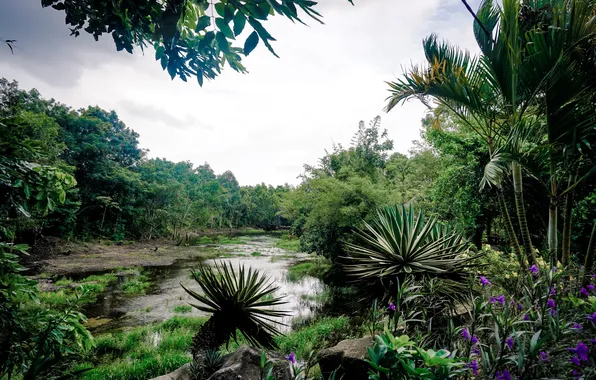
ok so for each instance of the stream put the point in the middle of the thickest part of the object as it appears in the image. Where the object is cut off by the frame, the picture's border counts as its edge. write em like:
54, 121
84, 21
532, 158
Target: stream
115, 310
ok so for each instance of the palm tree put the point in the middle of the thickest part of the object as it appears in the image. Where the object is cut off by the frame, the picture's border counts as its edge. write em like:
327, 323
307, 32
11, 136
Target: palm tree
237, 301
482, 92
528, 89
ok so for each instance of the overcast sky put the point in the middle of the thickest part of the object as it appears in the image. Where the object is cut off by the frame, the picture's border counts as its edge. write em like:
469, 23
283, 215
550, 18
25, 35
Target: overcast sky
264, 125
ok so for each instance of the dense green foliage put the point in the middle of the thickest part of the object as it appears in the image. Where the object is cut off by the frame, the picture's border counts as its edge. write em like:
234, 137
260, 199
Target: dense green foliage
91, 161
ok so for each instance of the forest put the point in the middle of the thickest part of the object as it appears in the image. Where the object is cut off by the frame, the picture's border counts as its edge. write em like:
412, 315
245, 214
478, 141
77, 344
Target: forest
471, 256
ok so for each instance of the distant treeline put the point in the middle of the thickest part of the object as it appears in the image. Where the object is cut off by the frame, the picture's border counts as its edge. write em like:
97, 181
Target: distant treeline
89, 160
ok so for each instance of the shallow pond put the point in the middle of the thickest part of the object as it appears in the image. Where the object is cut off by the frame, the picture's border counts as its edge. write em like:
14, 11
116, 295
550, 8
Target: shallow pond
115, 310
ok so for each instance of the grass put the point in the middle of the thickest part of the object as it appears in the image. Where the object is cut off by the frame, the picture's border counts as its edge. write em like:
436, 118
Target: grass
314, 268
256, 254
143, 352
150, 351
182, 309
317, 335
136, 285
89, 288
288, 243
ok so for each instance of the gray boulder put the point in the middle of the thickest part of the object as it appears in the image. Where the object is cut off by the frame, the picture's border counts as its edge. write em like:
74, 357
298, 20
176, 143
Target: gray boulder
182, 373
348, 357
245, 363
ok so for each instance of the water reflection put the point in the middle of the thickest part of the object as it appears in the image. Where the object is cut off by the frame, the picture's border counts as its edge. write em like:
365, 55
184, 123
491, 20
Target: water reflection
161, 300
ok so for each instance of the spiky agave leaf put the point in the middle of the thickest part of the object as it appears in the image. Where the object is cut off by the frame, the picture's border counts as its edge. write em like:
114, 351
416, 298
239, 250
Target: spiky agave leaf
400, 242
242, 300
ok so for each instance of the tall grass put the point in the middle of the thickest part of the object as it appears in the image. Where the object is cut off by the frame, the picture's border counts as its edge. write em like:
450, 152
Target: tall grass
314, 268
150, 351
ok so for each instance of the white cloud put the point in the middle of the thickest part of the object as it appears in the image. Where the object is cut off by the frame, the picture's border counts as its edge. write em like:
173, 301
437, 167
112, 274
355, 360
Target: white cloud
264, 125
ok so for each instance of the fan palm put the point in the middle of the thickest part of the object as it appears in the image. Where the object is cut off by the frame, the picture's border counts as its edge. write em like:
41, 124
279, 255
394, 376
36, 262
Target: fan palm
398, 243
238, 300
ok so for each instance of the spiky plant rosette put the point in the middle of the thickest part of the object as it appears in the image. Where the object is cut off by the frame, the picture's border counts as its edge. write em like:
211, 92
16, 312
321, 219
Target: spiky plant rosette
242, 300
401, 243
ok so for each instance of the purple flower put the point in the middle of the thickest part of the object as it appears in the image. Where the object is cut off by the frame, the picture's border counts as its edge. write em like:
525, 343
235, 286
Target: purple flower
553, 312
590, 287
593, 275
576, 326
391, 306
475, 350
291, 358
592, 318
473, 365
576, 374
520, 306
499, 299
543, 356
466, 334
593, 341
581, 350
534, 269
484, 281
503, 375
555, 269
551, 303
526, 317
474, 340
553, 291
584, 292
575, 360
510, 342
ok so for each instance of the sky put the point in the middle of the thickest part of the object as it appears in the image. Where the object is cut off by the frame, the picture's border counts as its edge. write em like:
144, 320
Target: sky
264, 125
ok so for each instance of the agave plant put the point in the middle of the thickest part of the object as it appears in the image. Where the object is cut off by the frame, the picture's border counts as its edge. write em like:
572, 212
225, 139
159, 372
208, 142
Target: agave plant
398, 243
238, 300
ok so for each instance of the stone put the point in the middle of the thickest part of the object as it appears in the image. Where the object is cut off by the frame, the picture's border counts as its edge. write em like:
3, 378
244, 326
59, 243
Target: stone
182, 373
245, 364
348, 357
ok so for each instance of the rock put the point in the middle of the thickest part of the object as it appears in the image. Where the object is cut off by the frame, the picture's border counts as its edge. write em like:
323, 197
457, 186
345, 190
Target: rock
182, 373
244, 363
348, 357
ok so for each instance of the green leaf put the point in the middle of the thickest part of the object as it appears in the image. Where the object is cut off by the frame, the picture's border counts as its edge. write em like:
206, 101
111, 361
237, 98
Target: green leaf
204, 21
222, 42
220, 8
159, 52
239, 22
224, 28
229, 12
164, 62
251, 43
207, 39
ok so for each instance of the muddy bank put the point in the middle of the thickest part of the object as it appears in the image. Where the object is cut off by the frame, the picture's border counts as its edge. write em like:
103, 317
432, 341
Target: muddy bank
95, 257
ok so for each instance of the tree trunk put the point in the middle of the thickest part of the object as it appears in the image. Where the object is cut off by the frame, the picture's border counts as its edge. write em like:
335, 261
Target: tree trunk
212, 335
552, 235
589, 262
511, 231
521, 213
566, 243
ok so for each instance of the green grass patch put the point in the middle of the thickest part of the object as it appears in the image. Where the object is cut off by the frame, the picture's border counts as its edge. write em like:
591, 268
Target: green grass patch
314, 268
288, 243
229, 240
320, 334
256, 254
182, 309
143, 352
136, 285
